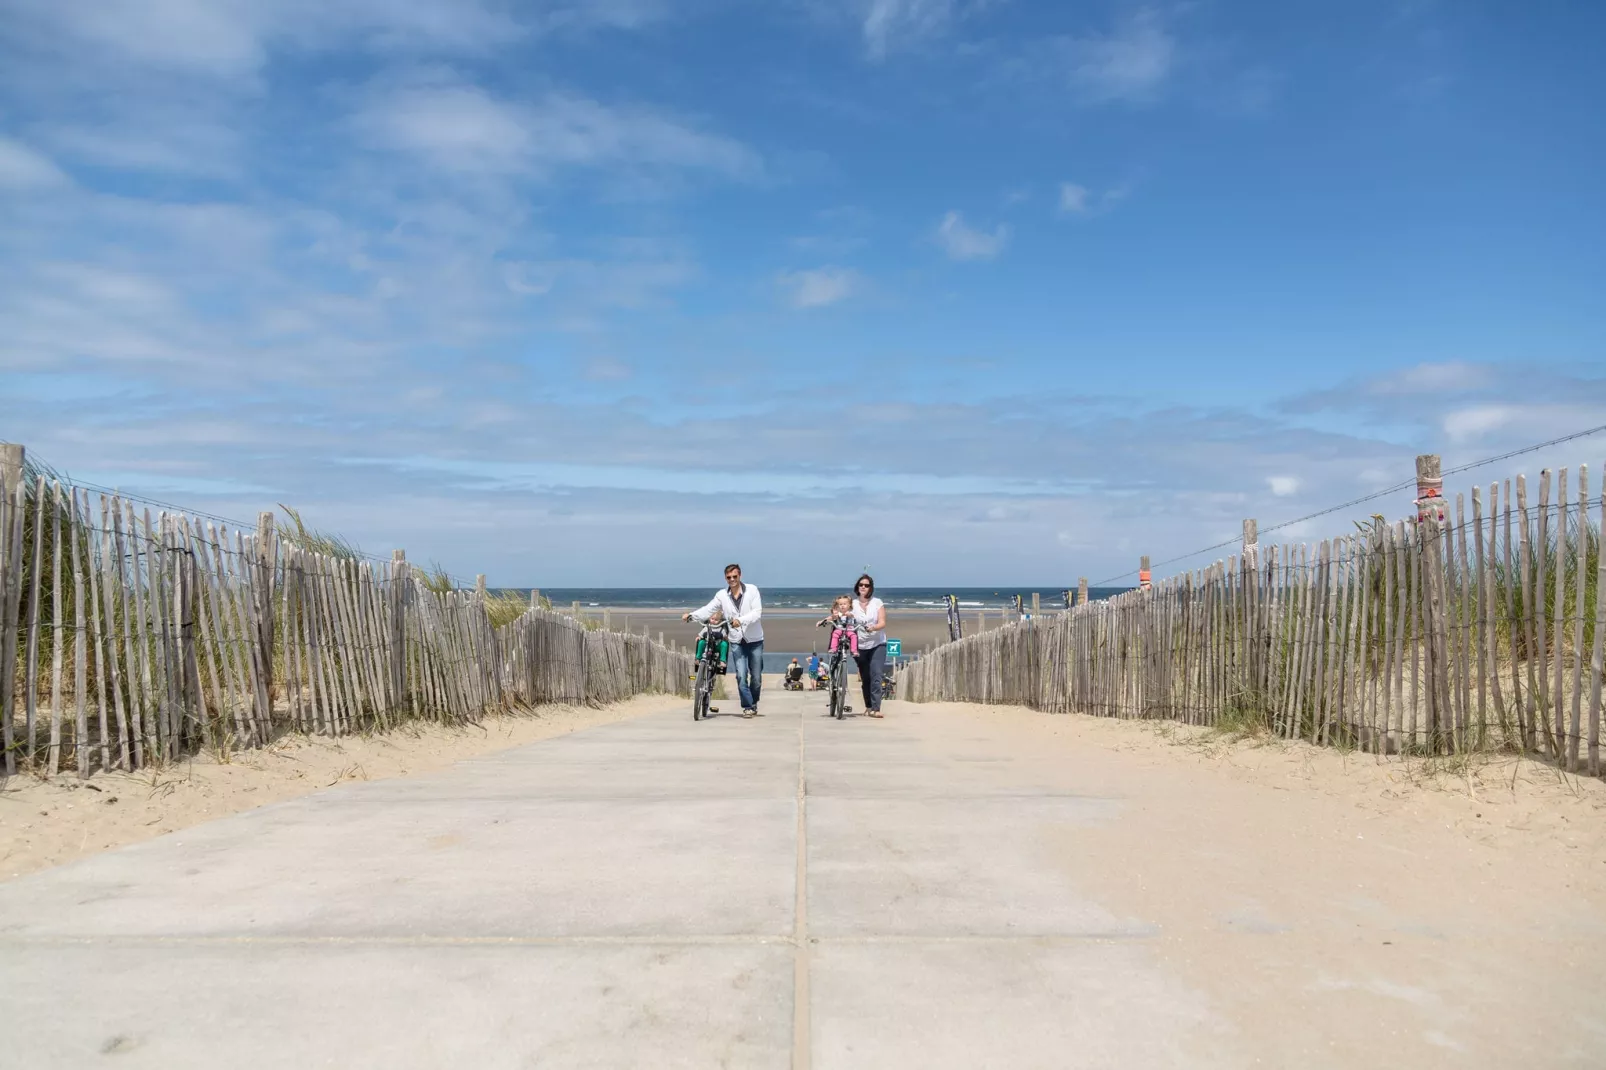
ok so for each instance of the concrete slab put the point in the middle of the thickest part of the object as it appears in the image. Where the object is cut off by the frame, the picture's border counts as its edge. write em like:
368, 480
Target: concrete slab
951, 867
1019, 1004
251, 1005
342, 864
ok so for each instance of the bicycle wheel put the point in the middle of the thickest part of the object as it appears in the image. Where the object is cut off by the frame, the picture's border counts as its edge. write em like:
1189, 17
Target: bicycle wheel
839, 689
700, 692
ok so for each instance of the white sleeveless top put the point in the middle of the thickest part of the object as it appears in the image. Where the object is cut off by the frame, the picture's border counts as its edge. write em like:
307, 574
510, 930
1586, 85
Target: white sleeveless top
864, 615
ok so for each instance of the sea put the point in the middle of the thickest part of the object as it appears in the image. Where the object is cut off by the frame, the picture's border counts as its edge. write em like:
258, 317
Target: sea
970, 598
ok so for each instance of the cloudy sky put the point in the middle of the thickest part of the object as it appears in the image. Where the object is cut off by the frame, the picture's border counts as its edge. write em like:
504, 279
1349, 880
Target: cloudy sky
971, 291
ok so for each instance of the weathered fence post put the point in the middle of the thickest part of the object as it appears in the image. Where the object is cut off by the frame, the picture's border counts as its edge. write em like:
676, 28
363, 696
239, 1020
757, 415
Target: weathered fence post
1143, 572
398, 625
479, 586
607, 619
267, 564
190, 701
535, 598
12, 456
1035, 607
1081, 591
1429, 486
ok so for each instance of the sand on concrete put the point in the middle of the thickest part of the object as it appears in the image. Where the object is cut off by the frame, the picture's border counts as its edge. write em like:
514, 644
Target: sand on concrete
45, 823
1324, 898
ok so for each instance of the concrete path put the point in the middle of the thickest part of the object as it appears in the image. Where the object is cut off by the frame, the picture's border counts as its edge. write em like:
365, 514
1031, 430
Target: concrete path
789, 891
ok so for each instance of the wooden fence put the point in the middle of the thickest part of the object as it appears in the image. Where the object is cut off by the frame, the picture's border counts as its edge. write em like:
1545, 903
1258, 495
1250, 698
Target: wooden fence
1449, 633
128, 639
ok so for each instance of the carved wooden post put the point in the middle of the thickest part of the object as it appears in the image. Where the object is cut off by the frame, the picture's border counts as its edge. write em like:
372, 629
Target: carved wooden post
1429, 487
1143, 572
1081, 591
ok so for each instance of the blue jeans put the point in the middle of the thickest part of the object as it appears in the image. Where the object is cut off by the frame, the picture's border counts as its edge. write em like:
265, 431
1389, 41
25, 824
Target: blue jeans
747, 662
872, 664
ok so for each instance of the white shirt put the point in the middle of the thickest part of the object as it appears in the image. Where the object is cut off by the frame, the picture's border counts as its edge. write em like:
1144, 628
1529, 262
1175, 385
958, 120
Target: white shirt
747, 625
866, 615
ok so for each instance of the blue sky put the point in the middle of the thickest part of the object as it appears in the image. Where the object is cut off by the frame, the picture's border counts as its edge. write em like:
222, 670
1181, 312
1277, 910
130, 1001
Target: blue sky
973, 292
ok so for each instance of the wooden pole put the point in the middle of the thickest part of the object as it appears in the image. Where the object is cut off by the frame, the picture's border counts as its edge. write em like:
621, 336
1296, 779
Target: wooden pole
267, 552
11, 535
1143, 572
398, 626
1081, 591
1429, 486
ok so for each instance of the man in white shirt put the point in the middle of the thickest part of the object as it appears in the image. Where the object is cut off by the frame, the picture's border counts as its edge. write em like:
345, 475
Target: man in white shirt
744, 609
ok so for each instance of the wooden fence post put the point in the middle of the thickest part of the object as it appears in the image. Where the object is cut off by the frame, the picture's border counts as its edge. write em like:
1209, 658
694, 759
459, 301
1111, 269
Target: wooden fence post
535, 598
12, 457
1035, 606
1081, 591
267, 564
398, 625
479, 586
1143, 572
1429, 486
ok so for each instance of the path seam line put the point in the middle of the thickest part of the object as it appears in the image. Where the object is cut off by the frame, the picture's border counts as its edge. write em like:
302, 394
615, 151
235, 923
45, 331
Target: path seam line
801, 1057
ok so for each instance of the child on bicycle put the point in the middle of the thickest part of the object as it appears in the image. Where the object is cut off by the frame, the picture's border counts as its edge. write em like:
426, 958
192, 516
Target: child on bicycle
716, 624
841, 622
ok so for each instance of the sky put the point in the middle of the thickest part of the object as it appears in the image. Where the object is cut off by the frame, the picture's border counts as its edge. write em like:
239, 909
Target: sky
966, 291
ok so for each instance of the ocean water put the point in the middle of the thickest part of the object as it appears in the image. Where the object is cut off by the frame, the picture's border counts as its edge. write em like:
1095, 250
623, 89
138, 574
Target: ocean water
970, 598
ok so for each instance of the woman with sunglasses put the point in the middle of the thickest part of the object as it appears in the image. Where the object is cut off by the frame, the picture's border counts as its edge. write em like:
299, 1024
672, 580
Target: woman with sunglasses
871, 657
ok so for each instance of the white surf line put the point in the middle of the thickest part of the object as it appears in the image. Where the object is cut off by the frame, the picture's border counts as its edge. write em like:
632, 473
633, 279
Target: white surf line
800, 920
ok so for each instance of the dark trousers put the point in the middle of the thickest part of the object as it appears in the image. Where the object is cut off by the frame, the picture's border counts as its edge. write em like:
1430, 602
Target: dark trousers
872, 664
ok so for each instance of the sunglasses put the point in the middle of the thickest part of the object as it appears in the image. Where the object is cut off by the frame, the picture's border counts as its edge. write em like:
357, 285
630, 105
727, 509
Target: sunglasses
863, 586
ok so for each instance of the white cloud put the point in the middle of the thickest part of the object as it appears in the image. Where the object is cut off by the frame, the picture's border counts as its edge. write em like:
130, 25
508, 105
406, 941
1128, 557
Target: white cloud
1283, 486
1078, 200
463, 128
963, 242
608, 370
1129, 64
1073, 198
24, 168
1435, 378
819, 287
230, 40
1462, 424
890, 23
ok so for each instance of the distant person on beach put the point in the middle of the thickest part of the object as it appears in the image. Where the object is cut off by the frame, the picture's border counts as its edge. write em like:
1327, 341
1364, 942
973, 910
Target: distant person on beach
871, 657
744, 608
814, 671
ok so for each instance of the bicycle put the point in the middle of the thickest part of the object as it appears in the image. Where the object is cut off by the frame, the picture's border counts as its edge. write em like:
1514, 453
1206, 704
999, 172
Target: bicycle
713, 644
844, 642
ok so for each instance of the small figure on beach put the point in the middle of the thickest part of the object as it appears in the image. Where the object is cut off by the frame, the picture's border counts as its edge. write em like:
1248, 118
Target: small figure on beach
814, 671
744, 609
